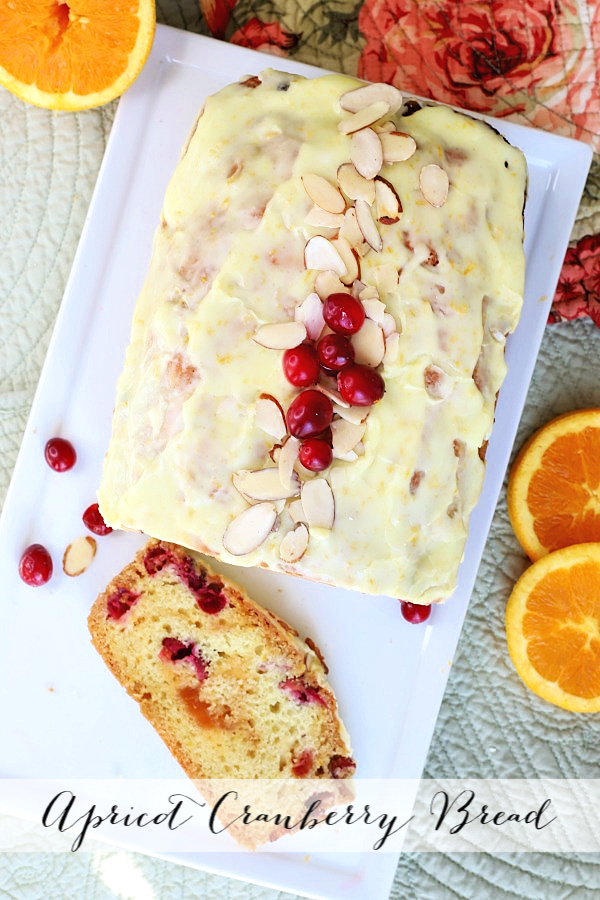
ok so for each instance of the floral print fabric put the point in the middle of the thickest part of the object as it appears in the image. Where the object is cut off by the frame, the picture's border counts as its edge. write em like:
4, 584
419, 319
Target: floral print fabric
537, 61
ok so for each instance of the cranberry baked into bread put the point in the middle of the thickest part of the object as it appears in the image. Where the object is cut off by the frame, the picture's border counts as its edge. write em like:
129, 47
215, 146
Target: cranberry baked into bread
385, 240
231, 688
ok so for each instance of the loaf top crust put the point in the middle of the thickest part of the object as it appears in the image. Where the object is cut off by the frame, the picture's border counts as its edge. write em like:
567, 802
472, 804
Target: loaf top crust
228, 257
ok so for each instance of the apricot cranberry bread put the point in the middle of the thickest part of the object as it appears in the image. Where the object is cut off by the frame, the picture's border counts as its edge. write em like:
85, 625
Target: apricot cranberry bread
230, 687
317, 350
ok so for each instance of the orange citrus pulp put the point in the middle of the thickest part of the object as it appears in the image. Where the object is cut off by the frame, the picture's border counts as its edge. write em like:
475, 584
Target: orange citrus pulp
554, 485
553, 627
73, 55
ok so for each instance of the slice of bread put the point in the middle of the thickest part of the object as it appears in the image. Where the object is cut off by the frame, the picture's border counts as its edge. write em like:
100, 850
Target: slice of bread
231, 688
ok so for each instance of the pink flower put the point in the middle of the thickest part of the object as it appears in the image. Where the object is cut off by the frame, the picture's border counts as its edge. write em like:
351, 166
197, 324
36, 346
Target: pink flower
578, 290
267, 36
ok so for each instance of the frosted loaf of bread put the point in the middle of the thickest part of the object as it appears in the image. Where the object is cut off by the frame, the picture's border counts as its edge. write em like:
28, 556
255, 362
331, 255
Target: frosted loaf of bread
429, 238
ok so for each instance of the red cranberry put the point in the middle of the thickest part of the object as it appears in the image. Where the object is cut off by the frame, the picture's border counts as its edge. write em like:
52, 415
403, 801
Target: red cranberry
335, 352
92, 519
173, 650
60, 454
342, 766
35, 565
343, 313
120, 602
301, 693
360, 385
414, 613
315, 454
303, 764
301, 366
309, 414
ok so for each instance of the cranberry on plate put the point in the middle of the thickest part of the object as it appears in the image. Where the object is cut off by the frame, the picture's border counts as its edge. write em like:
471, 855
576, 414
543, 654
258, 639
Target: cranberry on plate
92, 519
315, 454
309, 414
414, 612
35, 565
343, 313
60, 454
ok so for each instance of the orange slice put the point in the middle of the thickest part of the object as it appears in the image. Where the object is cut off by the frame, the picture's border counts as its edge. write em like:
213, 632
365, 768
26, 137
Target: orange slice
554, 485
73, 55
553, 627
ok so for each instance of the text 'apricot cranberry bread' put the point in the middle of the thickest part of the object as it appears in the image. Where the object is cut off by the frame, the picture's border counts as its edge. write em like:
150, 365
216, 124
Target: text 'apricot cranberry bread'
317, 350
231, 688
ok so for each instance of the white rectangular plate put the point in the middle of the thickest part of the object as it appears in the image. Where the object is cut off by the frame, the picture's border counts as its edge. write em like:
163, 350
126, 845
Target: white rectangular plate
64, 715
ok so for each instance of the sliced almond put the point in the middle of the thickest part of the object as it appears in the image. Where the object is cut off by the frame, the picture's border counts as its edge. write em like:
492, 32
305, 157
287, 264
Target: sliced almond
320, 254
397, 146
250, 529
368, 94
388, 325
368, 343
320, 218
78, 556
368, 226
366, 153
386, 278
364, 117
434, 184
350, 230
286, 462
310, 313
350, 259
280, 335
374, 309
327, 283
294, 544
346, 435
269, 416
354, 185
370, 292
350, 456
357, 287
438, 383
354, 414
318, 503
323, 193
333, 395
296, 511
265, 484
387, 202
392, 348
384, 127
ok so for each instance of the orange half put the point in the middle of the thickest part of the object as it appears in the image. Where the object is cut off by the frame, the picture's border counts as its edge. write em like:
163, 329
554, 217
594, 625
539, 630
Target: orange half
553, 627
554, 485
73, 55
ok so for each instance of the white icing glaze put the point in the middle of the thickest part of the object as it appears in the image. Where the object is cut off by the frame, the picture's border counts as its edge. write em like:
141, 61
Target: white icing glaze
229, 257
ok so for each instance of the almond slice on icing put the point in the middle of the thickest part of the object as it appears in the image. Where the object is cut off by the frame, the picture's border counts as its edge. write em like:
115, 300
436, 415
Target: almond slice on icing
334, 396
320, 254
294, 544
269, 416
354, 185
374, 309
366, 116
370, 292
350, 230
310, 312
387, 202
280, 335
366, 152
367, 225
286, 462
296, 511
388, 324
392, 348
386, 278
366, 95
250, 529
350, 259
327, 283
318, 503
320, 218
384, 127
438, 383
397, 146
434, 184
265, 484
345, 436
354, 414
368, 343
323, 193
78, 556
